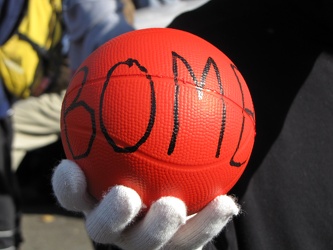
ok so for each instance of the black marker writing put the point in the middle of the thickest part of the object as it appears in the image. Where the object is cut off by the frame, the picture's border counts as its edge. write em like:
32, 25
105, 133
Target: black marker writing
107, 86
200, 86
77, 105
130, 149
232, 160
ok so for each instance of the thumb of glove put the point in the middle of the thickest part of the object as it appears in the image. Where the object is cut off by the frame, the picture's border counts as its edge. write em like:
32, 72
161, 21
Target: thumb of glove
70, 187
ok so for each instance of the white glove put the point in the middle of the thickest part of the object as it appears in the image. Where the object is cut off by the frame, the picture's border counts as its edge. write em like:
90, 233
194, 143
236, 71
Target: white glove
113, 219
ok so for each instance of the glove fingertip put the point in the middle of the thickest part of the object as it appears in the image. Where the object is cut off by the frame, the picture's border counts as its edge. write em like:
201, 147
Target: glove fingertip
162, 220
70, 187
116, 211
123, 197
226, 205
169, 206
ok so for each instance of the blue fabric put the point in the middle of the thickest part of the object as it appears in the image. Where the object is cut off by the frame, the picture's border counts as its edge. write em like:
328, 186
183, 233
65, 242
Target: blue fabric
4, 102
10, 11
90, 23
141, 3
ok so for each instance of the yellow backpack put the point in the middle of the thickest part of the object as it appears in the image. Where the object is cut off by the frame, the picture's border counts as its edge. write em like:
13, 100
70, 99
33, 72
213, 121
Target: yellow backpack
35, 47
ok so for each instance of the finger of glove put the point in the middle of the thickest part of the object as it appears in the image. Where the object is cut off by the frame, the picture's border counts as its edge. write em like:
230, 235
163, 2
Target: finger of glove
162, 220
113, 214
205, 225
70, 187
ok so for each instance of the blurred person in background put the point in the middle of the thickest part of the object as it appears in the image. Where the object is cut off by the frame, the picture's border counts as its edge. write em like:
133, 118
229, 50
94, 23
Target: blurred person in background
11, 13
29, 66
89, 24
86, 28
34, 74
36, 118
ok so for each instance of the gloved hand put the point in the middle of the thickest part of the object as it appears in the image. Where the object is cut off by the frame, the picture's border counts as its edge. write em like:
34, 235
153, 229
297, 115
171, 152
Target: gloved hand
113, 219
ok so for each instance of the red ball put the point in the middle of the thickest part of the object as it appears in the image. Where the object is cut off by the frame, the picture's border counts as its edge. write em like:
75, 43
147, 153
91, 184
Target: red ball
163, 112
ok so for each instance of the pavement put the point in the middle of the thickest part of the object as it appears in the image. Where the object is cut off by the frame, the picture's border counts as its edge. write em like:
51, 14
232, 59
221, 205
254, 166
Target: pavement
54, 232
45, 225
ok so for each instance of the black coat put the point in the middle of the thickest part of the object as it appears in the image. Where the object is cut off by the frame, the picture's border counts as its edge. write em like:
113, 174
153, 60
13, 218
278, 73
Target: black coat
284, 51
